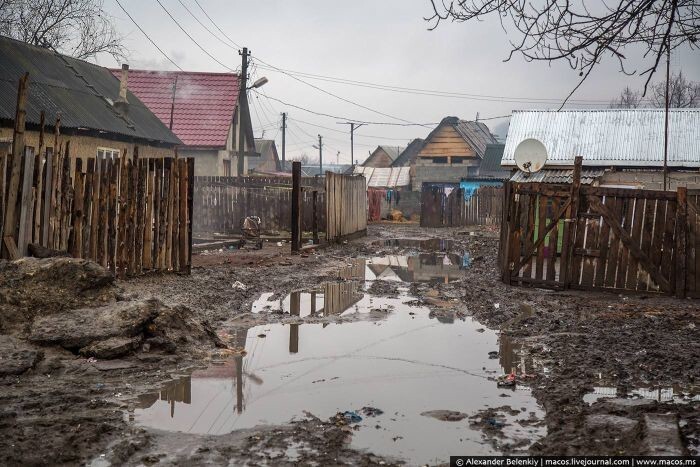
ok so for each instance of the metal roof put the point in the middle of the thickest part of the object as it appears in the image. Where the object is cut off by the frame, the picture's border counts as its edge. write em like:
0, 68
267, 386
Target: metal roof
201, 108
389, 177
563, 176
81, 92
408, 155
610, 137
491, 163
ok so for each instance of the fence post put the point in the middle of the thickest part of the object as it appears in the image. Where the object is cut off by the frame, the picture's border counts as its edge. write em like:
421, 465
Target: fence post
681, 241
314, 195
570, 239
296, 206
10, 232
503, 250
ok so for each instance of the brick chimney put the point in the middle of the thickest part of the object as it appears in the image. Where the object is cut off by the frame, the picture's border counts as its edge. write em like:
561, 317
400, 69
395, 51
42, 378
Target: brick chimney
122, 104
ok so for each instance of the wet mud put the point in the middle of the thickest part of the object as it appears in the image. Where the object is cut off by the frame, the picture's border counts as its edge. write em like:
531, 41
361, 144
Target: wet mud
291, 349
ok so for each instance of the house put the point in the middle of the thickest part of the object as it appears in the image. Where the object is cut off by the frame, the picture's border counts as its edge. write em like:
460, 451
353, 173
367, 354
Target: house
452, 151
383, 156
408, 156
269, 161
204, 110
620, 147
489, 173
388, 189
97, 117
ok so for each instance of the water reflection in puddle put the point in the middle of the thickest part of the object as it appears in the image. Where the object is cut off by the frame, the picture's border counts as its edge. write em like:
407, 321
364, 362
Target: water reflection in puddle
435, 244
404, 365
675, 394
424, 267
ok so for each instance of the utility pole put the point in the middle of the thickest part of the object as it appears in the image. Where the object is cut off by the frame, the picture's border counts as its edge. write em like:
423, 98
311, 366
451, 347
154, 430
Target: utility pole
320, 154
668, 77
284, 141
353, 126
242, 100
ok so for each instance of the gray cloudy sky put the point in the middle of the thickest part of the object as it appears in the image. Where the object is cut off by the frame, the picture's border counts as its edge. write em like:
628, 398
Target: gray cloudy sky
378, 41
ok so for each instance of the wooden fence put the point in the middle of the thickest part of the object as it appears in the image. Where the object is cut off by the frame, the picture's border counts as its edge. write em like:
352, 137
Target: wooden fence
585, 237
440, 208
221, 202
129, 215
346, 206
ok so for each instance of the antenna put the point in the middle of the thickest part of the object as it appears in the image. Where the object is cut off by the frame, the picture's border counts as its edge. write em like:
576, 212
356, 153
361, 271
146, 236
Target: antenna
530, 155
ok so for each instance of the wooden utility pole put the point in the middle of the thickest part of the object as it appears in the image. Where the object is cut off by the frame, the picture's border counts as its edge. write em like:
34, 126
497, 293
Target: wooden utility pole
296, 206
353, 126
320, 155
668, 77
284, 139
242, 102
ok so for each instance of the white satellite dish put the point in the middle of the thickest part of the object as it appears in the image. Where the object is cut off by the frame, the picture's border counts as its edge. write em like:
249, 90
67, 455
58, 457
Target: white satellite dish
530, 155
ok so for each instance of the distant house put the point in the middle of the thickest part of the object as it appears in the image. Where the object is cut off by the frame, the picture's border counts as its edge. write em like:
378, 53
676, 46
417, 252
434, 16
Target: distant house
314, 170
269, 161
620, 147
408, 156
383, 156
203, 110
96, 119
452, 151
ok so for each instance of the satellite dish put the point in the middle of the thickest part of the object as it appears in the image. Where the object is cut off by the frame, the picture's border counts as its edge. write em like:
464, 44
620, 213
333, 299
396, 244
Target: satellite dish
530, 155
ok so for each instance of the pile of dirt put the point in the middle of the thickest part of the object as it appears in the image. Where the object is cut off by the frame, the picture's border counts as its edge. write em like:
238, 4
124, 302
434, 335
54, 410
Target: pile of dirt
31, 287
72, 304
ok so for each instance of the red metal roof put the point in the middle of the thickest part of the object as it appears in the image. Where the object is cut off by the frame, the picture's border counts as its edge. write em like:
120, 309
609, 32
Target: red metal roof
204, 102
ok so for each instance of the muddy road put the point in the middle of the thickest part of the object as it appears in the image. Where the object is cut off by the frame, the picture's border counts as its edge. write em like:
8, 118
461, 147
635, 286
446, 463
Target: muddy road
401, 347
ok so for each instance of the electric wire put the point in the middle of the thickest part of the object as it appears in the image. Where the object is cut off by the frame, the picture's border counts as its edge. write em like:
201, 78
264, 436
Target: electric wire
148, 37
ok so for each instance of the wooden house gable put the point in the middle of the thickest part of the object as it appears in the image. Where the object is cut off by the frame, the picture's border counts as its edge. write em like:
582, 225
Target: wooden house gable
446, 141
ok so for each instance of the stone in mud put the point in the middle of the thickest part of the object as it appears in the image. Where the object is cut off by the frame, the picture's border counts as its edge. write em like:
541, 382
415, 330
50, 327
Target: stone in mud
16, 357
79, 328
178, 327
662, 436
114, 347
613, 422
445, 415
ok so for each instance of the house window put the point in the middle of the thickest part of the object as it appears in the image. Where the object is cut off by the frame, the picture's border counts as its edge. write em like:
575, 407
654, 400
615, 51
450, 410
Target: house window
457, 160
439, 160
107, 153
227, 167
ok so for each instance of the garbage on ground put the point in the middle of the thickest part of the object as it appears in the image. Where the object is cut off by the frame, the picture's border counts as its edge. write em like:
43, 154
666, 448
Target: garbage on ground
497, 305
351, 417
506, 381
239, 285
371, 411
493, 354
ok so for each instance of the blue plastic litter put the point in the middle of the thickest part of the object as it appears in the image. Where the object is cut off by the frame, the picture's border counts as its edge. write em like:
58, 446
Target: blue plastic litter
352, 417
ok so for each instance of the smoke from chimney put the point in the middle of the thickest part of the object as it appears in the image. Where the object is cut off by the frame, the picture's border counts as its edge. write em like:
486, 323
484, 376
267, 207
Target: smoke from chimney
122, 103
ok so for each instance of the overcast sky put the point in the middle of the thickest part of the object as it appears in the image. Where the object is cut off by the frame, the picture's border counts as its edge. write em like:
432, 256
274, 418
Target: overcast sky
377, 41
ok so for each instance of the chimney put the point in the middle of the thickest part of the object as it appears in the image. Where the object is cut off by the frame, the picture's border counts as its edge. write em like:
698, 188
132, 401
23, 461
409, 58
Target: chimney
122, 104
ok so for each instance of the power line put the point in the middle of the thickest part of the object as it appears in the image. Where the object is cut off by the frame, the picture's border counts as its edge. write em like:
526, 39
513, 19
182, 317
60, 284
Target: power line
306, 83
192, 38
345, 132
215, 25
435, 93
322, 114
208, 30
148, 37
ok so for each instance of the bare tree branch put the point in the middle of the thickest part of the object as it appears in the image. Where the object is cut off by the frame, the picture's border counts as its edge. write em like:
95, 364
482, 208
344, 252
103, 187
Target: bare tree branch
80, 28
583, 35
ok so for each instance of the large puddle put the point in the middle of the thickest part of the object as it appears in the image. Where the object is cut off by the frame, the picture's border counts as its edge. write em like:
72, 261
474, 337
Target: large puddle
394, 357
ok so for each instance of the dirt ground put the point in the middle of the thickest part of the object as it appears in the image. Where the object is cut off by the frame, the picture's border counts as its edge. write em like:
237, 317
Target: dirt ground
61, 405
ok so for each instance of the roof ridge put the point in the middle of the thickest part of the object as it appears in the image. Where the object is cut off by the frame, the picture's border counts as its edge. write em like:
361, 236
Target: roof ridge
178, 72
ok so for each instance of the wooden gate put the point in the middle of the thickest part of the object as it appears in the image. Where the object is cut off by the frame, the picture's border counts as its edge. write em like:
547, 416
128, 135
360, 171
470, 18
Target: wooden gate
561, 236
346, 206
